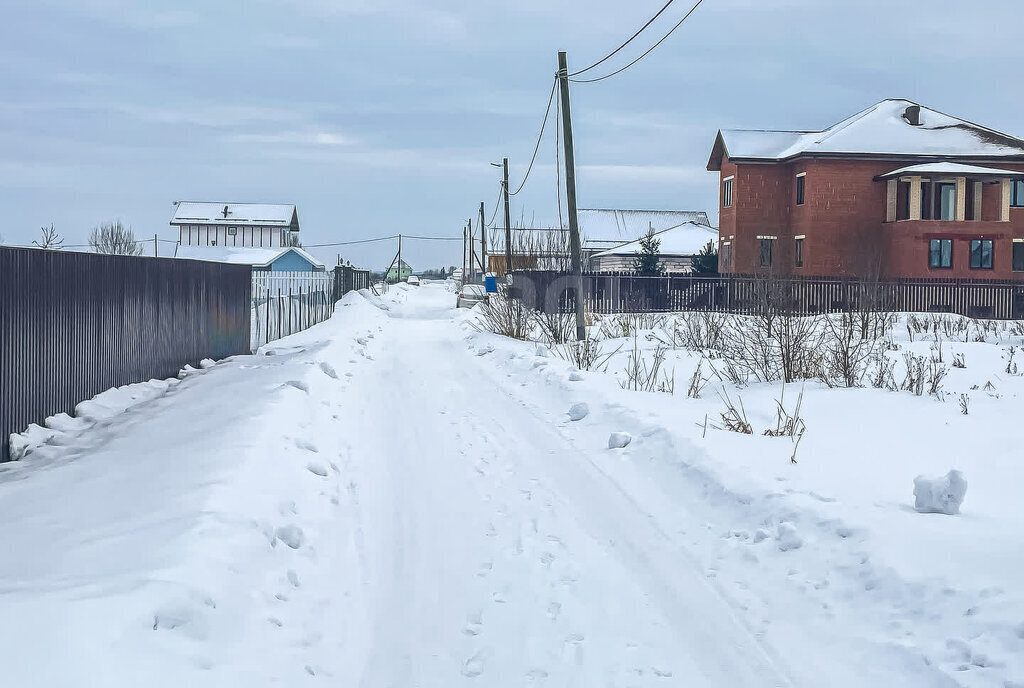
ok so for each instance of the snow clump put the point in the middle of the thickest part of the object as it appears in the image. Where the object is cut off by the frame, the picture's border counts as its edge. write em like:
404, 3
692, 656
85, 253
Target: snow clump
579, 412
618, 440
942, 495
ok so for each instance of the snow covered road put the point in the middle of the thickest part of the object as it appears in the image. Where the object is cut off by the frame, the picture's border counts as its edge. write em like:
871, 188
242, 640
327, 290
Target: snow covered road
501, 552
390, 499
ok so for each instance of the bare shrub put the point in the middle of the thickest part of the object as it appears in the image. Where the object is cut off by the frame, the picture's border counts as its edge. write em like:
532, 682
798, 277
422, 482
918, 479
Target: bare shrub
958, 361
699, 330
1011, 365
846, 354
647, 377
506, 316
913, 380
935, 374
880, 372
586, 354
556, 327
965, 402
733, 418
788, 424
698, 381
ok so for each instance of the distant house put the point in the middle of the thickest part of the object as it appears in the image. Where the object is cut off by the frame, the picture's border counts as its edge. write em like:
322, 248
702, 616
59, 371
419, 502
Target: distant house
677, 247
602, 229
290, 259
897, 190
399, 273
258, 225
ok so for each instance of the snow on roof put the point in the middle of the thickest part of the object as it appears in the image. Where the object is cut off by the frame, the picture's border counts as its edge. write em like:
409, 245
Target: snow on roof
685, 240
241, 214
882, 129
950, 168
605, 224
242, 255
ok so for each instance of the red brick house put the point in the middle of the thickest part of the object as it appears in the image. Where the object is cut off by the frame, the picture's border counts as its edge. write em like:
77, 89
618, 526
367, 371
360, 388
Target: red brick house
898, 190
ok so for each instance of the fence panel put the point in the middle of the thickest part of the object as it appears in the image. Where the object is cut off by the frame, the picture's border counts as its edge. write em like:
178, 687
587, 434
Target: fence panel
73, 325
284, 303
627, 292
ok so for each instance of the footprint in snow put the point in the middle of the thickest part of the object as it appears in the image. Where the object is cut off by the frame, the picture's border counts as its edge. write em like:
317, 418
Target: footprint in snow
317, 468
297, 384
290, 535
474, 666
328, 370
474, 624
306, 446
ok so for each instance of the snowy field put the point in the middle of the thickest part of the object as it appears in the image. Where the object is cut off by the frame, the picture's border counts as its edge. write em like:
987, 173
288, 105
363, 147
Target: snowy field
395, 498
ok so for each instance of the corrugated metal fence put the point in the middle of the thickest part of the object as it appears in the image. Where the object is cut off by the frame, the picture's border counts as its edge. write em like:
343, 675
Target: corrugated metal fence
73, 325
627, 292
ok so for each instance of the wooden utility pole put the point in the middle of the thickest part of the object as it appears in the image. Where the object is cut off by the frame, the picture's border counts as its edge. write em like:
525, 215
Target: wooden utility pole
464, 255
483, 239
156, 248
508, 222
575, 247
399, 269
472, 250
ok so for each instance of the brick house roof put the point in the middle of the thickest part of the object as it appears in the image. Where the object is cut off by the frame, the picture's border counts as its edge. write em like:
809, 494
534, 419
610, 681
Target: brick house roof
891, 128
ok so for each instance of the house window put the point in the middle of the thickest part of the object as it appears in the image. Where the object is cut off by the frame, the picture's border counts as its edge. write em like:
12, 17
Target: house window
799, 254
1017, 192
766, 252
945, 195
727, 193
232, 231
1018, 255
940, 253
800, 181
725, 259
981, 254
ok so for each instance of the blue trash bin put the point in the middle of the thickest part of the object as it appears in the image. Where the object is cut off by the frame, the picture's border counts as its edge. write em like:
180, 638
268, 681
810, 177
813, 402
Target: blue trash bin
491, 284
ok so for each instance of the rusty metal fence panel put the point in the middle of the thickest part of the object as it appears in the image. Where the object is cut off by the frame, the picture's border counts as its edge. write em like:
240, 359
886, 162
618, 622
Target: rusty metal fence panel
73, 325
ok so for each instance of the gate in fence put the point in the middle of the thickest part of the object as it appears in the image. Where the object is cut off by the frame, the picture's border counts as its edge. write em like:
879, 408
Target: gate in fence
626, 292
73, 325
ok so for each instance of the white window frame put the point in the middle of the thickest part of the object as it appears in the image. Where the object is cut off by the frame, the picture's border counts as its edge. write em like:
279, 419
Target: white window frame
728, 183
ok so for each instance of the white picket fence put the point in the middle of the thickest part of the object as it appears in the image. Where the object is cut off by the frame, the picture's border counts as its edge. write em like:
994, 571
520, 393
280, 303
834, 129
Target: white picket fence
287, 302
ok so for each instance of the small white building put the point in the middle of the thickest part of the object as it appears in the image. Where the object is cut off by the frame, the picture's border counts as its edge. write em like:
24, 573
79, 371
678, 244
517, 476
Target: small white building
677, 247
603, 229
258, 225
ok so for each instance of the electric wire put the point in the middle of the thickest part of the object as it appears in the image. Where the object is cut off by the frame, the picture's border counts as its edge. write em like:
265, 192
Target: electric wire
540, 137
644, 54
628, 41
497, 203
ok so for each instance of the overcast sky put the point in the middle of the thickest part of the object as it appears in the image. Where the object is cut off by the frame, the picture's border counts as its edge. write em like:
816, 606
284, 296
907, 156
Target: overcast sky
380, 116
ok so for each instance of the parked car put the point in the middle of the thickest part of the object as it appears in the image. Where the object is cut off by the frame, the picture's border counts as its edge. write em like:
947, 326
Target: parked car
471, 295
413, 280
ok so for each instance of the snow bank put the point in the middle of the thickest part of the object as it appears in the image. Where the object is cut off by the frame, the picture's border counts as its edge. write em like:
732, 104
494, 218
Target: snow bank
942, 495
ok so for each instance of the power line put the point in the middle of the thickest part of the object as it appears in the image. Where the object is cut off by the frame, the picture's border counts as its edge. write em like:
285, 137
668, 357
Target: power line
644, 54
430, 238
630, 40
349, 243
497, 204
540, 136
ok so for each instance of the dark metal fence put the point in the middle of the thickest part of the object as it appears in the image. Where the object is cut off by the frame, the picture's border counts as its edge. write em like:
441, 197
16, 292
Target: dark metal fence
348, 278
73, 325
626, 292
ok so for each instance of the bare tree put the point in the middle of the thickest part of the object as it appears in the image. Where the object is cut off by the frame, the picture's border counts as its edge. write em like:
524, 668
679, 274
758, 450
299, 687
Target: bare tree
50, 239
115, 239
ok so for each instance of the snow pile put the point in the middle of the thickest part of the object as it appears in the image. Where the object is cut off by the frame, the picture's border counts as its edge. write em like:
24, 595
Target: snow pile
942, 495
618, 440
578, 412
